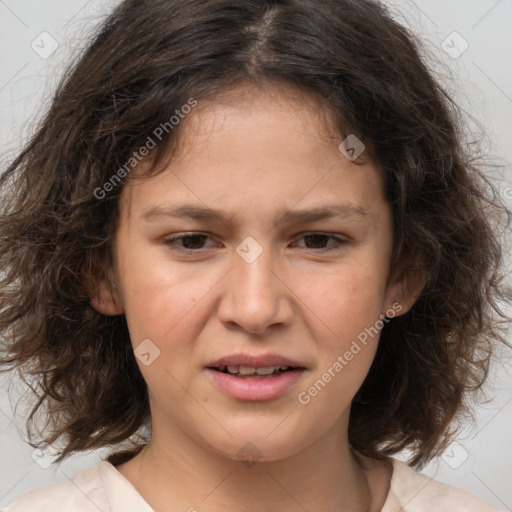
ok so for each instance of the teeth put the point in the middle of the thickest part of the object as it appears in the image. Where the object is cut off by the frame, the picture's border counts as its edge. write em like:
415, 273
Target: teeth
267, 370
246, 370
249, 370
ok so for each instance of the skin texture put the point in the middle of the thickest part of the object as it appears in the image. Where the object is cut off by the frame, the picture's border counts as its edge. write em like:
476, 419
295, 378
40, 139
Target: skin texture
252, 154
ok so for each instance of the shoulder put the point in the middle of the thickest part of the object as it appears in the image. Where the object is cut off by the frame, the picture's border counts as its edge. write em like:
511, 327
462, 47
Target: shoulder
83, 493
412, 491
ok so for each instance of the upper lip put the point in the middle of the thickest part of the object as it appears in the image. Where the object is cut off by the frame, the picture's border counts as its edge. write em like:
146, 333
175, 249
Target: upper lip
262, 361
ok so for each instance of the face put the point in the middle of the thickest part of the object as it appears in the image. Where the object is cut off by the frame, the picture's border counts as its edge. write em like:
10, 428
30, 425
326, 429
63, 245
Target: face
262, 243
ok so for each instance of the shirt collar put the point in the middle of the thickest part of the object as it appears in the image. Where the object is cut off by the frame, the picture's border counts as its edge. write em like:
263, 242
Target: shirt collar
122, 495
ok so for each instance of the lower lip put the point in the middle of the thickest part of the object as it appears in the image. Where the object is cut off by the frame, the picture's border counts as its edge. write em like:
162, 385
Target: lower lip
255, 389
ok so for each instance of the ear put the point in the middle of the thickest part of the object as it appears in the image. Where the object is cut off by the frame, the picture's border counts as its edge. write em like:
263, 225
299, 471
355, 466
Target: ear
104, 292
105, 298
405, 286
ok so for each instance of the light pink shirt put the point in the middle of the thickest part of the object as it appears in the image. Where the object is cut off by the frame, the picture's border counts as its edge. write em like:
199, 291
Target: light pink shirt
105, 489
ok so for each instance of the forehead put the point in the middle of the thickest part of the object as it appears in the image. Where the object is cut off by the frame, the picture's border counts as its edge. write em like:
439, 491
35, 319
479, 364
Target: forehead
273, 145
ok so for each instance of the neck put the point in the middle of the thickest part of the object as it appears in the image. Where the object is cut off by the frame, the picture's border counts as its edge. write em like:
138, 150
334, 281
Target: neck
183, 475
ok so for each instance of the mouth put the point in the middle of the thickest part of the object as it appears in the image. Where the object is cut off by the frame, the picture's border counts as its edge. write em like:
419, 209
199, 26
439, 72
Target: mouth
251, 378
248, 372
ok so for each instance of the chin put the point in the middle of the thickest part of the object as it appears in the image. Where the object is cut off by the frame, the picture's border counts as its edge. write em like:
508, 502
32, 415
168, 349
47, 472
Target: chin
255, 445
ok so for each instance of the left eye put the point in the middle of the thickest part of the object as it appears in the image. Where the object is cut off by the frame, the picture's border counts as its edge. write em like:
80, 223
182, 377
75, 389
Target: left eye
321, 239
194, 241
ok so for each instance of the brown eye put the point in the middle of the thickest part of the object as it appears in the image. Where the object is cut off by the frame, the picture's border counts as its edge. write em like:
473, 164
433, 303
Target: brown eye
316, 240
319, 241
187, 242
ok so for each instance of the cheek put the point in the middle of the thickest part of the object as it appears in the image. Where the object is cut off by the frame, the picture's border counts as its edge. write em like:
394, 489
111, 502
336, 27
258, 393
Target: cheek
169, 310
345, 302
346, 341
344, 313
160, 298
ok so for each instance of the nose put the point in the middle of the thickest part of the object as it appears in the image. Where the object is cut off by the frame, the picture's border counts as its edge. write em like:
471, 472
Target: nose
255, 295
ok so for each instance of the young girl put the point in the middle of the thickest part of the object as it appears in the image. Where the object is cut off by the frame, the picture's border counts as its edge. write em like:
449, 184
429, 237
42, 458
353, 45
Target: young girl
248, 251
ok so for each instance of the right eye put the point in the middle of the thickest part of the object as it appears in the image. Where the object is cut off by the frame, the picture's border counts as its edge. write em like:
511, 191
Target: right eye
188, 242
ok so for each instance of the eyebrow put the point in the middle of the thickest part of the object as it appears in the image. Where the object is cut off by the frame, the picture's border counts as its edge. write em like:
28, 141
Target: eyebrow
201, 213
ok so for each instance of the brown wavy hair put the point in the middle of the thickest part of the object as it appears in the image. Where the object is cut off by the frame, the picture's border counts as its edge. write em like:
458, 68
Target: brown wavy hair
148, 58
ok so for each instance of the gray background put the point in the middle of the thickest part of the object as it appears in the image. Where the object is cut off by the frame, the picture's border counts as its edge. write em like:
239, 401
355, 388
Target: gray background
481, 80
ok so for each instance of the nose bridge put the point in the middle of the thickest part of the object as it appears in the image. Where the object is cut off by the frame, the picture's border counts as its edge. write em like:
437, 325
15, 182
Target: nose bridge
252, 269
254, 297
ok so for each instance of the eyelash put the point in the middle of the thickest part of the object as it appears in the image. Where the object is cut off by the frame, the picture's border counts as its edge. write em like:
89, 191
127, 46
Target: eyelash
171, 241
